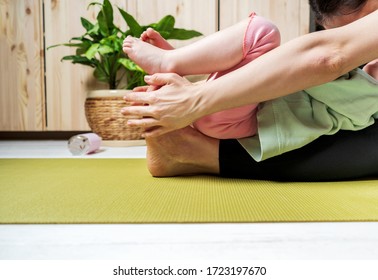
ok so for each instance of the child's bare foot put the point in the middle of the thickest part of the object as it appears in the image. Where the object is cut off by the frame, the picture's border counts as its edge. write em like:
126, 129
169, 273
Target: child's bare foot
147, 56
153, 37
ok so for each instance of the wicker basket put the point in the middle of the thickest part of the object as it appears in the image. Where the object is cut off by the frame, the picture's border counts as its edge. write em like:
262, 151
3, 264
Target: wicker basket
103, 113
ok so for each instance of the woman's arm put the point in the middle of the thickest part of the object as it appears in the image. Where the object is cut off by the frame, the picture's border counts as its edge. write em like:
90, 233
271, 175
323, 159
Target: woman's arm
304, 62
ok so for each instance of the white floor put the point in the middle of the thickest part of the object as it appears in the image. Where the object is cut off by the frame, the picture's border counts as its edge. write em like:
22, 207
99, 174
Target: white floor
269, 241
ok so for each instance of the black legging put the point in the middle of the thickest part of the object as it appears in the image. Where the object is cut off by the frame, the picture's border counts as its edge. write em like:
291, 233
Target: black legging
344, 156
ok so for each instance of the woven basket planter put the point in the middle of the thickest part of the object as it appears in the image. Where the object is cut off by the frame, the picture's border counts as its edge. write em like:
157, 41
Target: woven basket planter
103, 113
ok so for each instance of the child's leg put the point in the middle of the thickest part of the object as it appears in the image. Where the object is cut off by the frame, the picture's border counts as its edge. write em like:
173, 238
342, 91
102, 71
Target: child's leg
217, 52
260, 37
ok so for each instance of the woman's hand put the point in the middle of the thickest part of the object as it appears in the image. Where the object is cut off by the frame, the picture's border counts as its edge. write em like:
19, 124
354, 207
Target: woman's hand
172, 104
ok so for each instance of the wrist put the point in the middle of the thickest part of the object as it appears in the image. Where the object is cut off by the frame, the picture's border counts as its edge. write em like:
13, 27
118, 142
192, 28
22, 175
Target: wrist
202, 103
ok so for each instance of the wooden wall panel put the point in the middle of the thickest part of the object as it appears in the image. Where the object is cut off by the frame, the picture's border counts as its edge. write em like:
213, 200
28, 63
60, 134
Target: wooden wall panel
304, 17
291, 16
21, 68
67, 84
190, 14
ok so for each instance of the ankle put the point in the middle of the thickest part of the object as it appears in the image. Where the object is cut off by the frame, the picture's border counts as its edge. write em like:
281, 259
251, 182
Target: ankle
168, 63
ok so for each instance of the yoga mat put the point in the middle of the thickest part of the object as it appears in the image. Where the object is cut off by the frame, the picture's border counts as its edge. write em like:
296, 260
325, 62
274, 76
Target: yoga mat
122, 191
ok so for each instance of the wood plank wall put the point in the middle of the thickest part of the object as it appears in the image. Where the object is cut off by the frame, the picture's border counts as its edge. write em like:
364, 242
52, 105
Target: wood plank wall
291, 17
186, 13
21, 67
30, 102
67, 84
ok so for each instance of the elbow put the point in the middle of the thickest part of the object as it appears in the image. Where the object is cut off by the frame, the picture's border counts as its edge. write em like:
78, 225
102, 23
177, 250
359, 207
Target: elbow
331, 63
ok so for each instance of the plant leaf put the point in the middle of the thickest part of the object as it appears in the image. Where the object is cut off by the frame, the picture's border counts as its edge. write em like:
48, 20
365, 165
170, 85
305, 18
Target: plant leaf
135, 79
66, 45
105, 50
105, 18
94, 33
114, 42
130, 65
91, 52
86, 24
107, 10
183, 34
79, 59
166, 24
94, 3
135, 29
100, 74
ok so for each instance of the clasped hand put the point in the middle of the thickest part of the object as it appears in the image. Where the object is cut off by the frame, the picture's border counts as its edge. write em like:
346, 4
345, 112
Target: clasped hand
171, 101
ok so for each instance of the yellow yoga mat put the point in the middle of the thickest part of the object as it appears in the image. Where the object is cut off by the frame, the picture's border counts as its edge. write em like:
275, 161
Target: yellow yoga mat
122, 191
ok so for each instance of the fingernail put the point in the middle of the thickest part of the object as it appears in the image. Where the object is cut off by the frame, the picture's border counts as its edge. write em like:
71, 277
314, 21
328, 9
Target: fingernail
147, 78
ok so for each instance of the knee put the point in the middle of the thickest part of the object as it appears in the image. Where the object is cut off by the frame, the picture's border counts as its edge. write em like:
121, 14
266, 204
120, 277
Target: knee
261, 36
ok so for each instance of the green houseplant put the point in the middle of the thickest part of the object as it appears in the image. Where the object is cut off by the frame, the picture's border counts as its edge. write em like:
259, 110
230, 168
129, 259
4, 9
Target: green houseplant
100, 47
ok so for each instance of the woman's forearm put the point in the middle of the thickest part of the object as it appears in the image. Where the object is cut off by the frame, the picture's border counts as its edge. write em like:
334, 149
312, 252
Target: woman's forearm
304, 62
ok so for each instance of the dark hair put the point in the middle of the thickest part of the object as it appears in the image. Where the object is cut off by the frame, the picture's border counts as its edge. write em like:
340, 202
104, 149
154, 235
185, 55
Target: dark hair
326, 8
